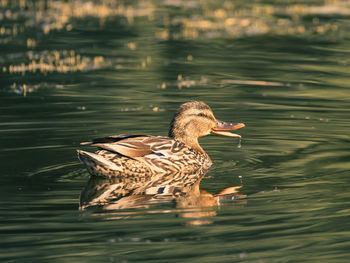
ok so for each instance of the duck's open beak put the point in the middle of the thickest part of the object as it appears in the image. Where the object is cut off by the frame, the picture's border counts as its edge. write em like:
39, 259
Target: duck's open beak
223, 128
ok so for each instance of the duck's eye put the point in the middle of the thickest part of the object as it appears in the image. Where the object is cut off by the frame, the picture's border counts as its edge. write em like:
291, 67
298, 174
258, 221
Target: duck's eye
206, 116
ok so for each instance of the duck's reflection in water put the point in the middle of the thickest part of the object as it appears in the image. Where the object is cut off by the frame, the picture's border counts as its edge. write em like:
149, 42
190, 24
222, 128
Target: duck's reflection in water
198, 206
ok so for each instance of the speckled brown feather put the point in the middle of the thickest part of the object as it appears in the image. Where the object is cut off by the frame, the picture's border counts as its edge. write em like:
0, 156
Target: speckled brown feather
166, 164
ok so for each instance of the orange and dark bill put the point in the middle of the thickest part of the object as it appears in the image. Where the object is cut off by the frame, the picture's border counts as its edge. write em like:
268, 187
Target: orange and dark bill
223, 128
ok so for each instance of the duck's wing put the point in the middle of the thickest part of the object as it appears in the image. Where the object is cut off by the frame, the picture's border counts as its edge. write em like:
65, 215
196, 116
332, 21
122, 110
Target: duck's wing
131, 145
111, 139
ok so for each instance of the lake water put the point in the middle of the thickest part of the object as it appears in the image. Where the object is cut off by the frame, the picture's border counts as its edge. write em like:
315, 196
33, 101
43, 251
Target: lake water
74, 70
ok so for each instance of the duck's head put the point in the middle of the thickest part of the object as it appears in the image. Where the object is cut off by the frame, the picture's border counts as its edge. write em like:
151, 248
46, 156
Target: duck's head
196, 119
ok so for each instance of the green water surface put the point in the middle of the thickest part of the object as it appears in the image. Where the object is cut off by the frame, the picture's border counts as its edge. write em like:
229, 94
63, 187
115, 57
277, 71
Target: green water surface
74, 70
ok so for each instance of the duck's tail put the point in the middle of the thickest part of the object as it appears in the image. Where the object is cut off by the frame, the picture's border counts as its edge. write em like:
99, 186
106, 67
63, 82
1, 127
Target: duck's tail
97, 165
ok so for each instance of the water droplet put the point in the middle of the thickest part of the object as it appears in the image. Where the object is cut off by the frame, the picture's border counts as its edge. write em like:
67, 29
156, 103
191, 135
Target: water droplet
239, 143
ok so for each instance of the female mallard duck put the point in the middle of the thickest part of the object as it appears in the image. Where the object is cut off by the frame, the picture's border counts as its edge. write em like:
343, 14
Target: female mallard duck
128, 165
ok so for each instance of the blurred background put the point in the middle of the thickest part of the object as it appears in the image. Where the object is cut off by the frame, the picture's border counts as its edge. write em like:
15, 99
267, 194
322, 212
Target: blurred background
74, 70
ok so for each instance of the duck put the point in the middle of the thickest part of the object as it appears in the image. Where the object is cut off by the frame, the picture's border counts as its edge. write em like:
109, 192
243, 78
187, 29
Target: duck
145, 165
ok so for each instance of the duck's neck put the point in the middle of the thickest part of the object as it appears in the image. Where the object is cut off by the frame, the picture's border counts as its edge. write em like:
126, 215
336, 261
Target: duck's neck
186, 132
192, 143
